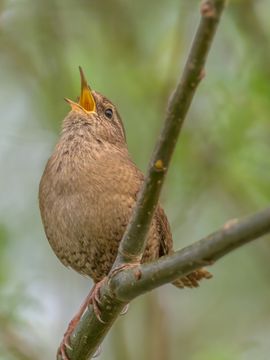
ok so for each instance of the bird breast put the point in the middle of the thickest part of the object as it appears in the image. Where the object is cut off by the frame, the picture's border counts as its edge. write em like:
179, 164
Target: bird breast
87, 193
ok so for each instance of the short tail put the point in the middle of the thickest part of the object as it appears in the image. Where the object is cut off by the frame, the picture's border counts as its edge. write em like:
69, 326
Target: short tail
192, 280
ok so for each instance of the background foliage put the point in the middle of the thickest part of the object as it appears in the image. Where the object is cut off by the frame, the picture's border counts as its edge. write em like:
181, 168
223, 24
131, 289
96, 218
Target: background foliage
133, 52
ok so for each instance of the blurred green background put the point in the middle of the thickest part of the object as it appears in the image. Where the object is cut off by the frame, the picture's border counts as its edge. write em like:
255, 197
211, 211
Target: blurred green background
133, 52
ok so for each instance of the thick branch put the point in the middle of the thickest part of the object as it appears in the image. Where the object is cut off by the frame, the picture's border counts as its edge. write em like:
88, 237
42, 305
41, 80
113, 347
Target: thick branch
128, 284
133, 242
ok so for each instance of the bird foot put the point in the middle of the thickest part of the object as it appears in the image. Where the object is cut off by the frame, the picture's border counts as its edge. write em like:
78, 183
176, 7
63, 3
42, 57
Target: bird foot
93, 298
125, 267
125, 310
97, 353
65, 343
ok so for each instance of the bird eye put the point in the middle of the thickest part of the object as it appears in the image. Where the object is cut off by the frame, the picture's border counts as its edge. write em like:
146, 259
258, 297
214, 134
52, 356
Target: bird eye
108, 113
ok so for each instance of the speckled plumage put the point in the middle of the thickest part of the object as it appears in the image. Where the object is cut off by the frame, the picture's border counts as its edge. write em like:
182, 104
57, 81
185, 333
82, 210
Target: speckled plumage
87, 193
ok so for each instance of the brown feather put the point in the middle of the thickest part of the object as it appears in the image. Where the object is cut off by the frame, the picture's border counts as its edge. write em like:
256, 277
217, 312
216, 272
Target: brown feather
87, 193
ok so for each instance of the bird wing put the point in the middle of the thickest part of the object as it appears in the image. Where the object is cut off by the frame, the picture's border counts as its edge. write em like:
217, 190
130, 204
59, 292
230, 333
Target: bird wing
166, 242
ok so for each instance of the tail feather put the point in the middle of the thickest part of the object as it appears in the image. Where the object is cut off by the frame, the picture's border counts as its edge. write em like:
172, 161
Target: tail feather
166, 248
192, 280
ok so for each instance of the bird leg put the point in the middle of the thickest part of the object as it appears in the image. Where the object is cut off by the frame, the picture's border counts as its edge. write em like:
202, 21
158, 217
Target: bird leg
93, 298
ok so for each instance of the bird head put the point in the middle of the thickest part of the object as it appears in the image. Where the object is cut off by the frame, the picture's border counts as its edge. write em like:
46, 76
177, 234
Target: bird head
98, 114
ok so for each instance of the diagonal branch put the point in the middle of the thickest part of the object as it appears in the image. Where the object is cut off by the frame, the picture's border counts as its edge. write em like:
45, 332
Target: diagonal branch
133, 242
128, 284
90, 331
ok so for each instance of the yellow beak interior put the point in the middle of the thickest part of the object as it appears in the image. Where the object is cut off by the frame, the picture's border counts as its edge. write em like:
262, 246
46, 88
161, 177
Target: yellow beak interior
86, 100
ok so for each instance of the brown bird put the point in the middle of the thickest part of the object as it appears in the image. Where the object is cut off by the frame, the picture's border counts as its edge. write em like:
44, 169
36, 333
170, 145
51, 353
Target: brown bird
87, 192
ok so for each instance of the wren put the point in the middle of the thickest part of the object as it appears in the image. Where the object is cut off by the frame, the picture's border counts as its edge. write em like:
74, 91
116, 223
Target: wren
89, 189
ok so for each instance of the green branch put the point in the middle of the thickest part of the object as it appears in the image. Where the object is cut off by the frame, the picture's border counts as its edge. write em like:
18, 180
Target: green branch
90, 332
124, 286
131, 283
133, 242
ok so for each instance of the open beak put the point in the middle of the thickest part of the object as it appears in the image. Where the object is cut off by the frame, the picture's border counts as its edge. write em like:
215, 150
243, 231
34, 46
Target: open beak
86, 100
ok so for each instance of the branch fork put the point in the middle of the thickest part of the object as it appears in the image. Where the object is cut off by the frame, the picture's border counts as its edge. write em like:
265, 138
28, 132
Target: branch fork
128, 278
